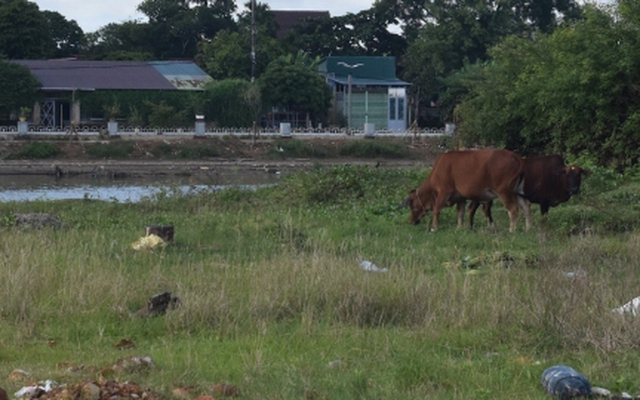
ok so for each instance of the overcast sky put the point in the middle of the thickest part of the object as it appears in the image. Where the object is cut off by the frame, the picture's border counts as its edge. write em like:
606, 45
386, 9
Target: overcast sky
91, 15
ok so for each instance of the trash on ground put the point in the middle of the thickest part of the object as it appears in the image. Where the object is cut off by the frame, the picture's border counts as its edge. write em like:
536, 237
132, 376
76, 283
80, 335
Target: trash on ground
565, 382
371, 267
158, 304
150, 242
33, 390
632, 307
598, 391
580, 273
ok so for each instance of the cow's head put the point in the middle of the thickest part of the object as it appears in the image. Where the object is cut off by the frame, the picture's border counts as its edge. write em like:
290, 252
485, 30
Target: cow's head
419, 204
573, 178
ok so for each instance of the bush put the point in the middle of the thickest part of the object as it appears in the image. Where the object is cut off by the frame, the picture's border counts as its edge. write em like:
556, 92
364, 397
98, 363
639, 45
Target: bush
110, 150
39, 150
373, 148
297, 148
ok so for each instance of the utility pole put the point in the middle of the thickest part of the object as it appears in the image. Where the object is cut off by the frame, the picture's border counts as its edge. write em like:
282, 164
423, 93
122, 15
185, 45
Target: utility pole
253, 40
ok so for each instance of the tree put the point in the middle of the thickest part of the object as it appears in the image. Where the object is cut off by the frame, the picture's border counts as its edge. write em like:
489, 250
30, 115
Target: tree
68, 37
176, 26
24, 31
225, 103
18, 87
573, 92
228, 55
130, 40
293, 84
459, 33
361, 34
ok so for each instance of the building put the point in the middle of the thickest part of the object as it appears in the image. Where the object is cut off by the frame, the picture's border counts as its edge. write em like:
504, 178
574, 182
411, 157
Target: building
367, 91
63, 79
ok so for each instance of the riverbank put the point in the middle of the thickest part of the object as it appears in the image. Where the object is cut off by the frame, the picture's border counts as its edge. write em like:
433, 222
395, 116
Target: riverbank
179, 156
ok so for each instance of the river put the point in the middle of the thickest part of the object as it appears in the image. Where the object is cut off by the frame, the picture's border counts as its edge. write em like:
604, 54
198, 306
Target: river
47, 188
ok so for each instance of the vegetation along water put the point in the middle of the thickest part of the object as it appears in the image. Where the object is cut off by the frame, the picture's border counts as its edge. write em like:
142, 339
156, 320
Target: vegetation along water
273, 301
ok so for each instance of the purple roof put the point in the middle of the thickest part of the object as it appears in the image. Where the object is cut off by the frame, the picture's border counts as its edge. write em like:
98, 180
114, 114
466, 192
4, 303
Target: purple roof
95, 75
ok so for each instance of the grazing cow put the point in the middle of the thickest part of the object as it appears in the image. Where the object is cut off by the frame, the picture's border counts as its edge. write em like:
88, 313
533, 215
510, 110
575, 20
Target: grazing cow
476, 175
547, 181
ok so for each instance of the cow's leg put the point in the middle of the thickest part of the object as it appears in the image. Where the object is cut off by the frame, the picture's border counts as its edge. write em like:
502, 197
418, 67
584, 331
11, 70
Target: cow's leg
544, 208
486, 208
460, 208
473, 207
526, 209
438, 204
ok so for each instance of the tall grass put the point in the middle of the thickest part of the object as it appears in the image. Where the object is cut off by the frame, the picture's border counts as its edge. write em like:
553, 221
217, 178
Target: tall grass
273, 299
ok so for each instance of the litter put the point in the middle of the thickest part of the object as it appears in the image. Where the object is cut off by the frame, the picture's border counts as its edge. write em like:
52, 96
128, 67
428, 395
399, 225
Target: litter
565, 382
148, 243
30, 391
575, 274
632, 307
371, 267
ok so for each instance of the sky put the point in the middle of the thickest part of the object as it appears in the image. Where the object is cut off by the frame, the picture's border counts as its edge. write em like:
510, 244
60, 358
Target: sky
91, 15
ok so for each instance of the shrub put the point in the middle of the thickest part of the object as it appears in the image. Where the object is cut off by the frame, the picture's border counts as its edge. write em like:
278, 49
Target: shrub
373, 148
297, 148
110, 150
39, 150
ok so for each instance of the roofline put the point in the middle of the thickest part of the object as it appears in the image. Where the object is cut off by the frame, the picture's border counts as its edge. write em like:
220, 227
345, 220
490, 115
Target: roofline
359, 81
68, 89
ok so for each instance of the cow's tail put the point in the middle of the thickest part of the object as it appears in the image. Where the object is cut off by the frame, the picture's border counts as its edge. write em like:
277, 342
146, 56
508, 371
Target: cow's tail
518, 183
519, 187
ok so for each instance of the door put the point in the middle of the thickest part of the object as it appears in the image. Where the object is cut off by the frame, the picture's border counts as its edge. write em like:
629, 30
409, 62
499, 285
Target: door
397, 109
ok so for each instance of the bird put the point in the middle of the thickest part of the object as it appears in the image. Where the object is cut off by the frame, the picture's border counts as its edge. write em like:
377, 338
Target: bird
349, 65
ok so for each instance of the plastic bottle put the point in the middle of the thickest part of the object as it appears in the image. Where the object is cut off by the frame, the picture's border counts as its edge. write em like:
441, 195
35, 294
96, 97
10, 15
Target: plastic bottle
565, 382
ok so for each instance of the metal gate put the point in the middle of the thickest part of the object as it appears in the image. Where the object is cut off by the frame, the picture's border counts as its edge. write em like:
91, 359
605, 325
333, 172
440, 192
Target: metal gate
48, 114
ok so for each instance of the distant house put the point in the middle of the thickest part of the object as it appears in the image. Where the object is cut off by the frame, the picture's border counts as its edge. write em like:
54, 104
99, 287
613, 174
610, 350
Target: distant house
62, 79
367, 91
287, 19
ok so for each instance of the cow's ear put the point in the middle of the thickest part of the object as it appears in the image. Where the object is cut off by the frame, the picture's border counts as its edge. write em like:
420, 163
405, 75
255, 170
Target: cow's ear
585, 172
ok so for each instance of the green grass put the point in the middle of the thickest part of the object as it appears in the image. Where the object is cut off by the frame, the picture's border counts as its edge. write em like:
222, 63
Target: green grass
38, 150
273, 300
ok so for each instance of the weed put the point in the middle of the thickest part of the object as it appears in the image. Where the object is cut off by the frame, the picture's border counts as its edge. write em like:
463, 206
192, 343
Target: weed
112, 149
38, 150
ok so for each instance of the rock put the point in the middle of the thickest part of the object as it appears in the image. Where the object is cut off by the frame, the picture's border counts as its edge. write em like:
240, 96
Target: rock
90, 391
124, 344
133, 363
185, 392
19, 375
159, 304
224, 390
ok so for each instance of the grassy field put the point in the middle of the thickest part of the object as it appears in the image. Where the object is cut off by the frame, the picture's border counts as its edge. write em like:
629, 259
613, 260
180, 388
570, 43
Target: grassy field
273, 300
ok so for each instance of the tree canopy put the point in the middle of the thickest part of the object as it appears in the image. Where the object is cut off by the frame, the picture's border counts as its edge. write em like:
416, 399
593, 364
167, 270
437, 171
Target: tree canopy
18, 87
574, 91
293, 83
24, 31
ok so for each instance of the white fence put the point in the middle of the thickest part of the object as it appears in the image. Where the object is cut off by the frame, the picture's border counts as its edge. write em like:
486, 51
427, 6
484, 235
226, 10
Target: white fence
132, 132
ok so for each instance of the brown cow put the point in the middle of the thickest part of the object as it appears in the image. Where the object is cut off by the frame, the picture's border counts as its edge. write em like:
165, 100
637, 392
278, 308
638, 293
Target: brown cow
547, 181
477, 175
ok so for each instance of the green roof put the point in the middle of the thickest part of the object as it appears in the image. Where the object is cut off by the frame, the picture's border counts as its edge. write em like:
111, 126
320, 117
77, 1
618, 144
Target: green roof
360, 67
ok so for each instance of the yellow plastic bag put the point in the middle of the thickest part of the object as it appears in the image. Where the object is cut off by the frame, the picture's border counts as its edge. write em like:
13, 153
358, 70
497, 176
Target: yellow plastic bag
150, 242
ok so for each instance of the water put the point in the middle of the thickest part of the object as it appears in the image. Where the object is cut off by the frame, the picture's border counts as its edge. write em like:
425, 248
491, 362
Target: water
49, 188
